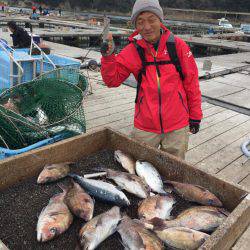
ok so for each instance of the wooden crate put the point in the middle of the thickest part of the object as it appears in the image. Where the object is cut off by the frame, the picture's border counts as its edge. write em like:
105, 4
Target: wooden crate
234, 198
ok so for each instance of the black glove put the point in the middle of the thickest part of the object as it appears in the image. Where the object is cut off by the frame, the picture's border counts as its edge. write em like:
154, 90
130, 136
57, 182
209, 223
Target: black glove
107, 48
104, 48
194, 126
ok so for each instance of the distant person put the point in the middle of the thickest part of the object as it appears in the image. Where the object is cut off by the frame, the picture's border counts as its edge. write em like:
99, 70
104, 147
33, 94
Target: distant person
45, 12
60, 12
20, 36
2, 8
33, 9
41, 10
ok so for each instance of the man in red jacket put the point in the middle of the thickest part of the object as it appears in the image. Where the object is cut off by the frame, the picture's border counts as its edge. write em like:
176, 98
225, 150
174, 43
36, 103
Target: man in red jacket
168, 103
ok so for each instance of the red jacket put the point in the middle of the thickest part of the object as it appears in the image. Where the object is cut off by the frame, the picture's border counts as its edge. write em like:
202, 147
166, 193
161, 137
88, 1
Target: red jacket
163, 105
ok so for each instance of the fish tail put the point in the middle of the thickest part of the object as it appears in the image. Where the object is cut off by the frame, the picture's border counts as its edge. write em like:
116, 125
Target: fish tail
158, 224
63, 187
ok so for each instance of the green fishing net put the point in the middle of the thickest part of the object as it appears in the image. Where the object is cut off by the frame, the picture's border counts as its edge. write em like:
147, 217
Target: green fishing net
40, 109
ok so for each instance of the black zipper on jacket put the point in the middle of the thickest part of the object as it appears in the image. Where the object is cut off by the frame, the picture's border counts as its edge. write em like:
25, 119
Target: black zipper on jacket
159, 92
182, 101
139, 107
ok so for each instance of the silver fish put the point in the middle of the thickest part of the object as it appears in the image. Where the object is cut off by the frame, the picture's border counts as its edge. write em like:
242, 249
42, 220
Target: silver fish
136, 237
102, 190
54, 219
99, 228
126, 161
204, 218
129, 182
182, 238
195, 193
158, 206
41, 117
151, 176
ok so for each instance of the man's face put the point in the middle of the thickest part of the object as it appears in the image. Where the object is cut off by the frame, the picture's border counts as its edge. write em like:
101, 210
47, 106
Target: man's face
149, 26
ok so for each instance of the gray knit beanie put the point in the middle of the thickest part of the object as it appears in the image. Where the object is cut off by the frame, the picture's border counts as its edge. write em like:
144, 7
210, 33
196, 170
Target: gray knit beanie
146, 5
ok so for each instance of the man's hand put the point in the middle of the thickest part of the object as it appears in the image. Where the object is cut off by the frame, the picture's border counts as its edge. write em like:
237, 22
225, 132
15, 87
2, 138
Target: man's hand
108, 47
194, 126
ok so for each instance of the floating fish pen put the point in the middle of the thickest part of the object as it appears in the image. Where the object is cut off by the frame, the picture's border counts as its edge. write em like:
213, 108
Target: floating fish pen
22, 199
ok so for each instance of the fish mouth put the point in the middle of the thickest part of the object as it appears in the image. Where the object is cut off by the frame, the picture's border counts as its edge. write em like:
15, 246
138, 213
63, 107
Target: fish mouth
40, 237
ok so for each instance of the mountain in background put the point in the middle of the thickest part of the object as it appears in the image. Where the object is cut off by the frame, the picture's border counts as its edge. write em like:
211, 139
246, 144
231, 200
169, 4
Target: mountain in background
126, 5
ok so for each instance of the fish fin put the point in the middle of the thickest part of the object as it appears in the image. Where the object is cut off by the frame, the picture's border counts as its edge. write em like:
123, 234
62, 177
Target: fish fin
158, 224
147, 224
99, 222
49, 166
184, 229
201, 188
218, 212
63, 187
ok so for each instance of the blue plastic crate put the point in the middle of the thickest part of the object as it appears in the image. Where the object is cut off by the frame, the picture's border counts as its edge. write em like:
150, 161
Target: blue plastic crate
24, 59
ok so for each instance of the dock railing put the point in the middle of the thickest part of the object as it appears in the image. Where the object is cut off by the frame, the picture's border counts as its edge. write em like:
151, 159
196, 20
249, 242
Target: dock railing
33, 44
9, 51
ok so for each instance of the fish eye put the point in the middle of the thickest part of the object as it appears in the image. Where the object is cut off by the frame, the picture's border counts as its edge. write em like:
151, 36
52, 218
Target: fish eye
210, 202
53, 230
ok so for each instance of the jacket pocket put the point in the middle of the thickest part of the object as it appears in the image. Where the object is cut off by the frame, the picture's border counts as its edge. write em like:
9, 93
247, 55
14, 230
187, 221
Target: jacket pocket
182, 101
139, 107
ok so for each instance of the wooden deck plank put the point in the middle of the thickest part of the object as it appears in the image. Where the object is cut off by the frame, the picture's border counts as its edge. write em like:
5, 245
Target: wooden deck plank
243, 242
109, 111
246, 183
203, 151
102, 121
216, 118
237, 80
217, 129
241, 98
215, 89
237, 170
224, 157
104, 105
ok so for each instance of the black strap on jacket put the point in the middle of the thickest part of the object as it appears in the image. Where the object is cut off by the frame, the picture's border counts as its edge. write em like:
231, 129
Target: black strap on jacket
173, 60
